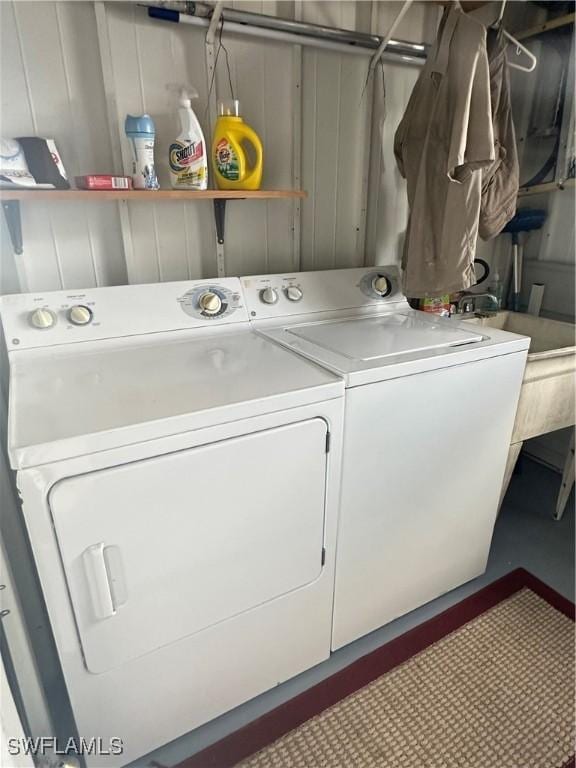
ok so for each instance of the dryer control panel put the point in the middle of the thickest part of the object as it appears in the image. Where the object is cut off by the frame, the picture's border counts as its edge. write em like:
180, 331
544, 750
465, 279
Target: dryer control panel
34, 320
301, 293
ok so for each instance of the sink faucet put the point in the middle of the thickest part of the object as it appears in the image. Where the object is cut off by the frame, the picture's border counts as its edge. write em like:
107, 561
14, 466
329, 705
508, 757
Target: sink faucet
467, 303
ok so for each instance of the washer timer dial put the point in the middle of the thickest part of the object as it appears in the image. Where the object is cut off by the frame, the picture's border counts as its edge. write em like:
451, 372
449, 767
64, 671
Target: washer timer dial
209, 302
376, 285
381, 285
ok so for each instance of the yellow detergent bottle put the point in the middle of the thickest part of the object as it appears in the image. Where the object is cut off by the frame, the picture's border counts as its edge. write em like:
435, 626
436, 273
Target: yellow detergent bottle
232, 169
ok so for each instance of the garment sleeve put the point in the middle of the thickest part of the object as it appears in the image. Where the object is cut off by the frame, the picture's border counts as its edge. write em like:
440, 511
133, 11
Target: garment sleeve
472, 137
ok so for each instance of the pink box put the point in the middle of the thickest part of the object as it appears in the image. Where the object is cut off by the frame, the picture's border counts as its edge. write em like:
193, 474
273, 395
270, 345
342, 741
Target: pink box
104, 181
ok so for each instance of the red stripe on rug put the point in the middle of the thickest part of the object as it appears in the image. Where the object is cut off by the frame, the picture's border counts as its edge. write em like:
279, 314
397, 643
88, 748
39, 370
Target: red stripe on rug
264, 730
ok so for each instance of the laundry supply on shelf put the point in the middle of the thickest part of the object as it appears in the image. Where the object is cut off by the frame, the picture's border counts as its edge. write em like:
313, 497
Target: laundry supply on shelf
230, 159
31, 162
442, 144
14, 171
187, 154
44, 161
141, 133
103, 181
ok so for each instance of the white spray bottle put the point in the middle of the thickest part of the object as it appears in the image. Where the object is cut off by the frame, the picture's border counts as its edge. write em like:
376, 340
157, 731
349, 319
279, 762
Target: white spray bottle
187, 154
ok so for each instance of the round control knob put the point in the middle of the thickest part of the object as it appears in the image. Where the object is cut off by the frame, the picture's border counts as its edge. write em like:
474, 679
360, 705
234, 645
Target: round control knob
293, 293
42, 318
80, 315
381, 285
210, 303
269, 295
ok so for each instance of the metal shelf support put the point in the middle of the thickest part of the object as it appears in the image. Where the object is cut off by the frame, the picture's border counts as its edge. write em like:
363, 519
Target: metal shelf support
13, 218
220, 221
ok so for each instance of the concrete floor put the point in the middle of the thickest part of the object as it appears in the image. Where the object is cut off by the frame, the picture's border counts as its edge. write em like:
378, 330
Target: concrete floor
525, 536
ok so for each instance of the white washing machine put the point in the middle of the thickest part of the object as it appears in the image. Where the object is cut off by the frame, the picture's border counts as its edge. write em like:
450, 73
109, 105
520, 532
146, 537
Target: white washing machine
179, 478
429, 410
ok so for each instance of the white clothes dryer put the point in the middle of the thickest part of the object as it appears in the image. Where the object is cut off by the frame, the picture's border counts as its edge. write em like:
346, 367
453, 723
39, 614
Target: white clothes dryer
179, 478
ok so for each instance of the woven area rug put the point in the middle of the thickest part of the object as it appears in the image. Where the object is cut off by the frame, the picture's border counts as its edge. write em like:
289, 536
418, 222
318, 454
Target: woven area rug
489, 683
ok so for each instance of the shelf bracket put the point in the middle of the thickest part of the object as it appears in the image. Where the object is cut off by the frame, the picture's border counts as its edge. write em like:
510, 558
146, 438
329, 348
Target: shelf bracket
11, 210
220, 220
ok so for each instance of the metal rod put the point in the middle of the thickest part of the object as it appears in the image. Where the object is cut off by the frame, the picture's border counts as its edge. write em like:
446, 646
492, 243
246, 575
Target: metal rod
205, 10
283, 30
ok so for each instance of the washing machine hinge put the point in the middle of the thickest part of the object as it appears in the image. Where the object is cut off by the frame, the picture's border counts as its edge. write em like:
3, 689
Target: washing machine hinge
323, 559
327, 442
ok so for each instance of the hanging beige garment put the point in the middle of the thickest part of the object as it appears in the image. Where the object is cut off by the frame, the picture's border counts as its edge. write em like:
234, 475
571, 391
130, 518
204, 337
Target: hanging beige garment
500, 180
442, 144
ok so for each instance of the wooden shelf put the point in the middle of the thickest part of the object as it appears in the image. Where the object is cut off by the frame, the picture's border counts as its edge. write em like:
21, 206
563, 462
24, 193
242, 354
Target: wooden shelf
550, 186
148, 195
12, 198
559, 21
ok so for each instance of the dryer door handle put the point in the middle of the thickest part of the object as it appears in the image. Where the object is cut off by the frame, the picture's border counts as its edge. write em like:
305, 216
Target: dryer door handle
105, 576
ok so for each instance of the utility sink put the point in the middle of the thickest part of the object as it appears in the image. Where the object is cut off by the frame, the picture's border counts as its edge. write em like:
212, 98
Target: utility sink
547, 397
548, 336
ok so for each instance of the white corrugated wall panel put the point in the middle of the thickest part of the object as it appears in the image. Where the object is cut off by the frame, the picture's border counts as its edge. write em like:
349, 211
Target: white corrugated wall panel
388, 203
169, 239
334, 133
52, 86
259, 235
558, 243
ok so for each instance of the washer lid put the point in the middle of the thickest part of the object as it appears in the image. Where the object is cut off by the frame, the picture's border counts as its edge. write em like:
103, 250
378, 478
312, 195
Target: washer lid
95, 396
369, 348
371, 339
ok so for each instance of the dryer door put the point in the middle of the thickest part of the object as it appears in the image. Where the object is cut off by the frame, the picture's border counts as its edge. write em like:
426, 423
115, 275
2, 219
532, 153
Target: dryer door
159, 549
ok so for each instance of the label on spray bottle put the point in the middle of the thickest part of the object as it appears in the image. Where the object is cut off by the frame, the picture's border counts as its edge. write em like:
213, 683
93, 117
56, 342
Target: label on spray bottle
187, 162
226, 160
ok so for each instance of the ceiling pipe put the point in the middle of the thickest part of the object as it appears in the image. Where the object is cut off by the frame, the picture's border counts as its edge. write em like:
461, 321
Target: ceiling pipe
284, 30
205, 10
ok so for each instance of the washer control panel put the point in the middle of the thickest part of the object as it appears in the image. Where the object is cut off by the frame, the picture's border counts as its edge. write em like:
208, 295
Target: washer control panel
44, 318
52, 314
271, 296
61, 317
